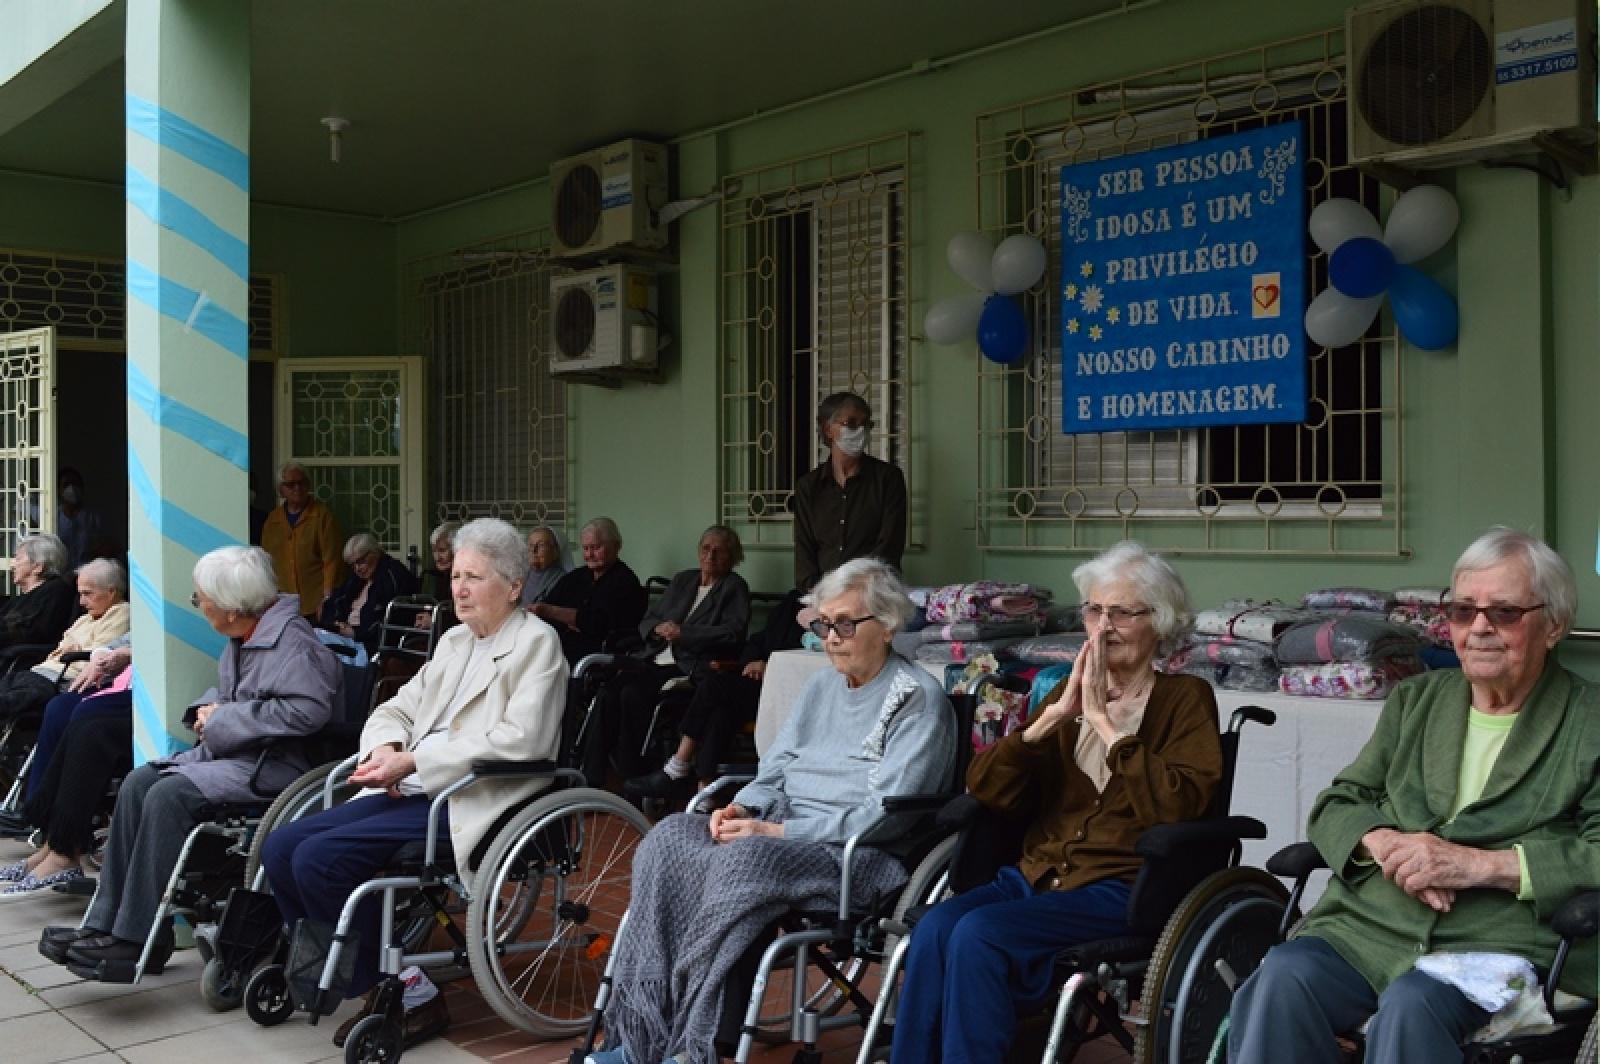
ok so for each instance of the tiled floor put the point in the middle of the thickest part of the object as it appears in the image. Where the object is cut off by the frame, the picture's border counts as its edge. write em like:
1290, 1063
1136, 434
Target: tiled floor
48, 1016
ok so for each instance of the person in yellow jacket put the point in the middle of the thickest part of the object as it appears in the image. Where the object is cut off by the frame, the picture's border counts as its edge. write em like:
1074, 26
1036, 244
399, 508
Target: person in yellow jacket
305, 542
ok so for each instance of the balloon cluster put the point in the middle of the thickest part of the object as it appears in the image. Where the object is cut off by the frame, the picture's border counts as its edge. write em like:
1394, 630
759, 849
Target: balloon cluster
998, 273
1364, 262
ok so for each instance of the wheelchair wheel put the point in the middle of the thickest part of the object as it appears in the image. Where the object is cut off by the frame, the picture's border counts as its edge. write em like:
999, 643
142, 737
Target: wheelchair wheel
219, 989
374, 1040
266, 996
301, 798
546, 903
1231, 918
1590, 1050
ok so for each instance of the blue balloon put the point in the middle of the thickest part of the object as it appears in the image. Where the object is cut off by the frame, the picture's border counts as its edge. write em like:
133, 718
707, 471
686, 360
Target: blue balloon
1002, 330
1424, 311
1361, 267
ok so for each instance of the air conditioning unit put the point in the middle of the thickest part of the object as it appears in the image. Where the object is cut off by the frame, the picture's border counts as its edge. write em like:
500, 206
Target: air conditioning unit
1437, 83
605, 200
603, 321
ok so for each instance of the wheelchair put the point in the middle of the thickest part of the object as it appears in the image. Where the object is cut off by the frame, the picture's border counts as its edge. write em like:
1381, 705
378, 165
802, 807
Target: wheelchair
811, 976
403, 648
16, 737
542, 911
1575, 1035
1198, 925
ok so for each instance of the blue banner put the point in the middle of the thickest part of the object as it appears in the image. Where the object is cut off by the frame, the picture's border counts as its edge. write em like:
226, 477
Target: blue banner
1183, 286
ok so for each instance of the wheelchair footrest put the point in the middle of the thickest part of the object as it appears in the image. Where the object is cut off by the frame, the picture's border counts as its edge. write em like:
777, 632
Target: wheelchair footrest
308, 954
249, 931
106, 971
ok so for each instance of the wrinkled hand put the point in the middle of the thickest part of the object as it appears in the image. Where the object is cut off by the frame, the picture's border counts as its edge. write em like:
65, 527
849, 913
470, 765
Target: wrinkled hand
669, 631
1069, 705
202, 715
70, 648
92, 674
754, 671
735, 822
1425, 866
385, 767
1097, 693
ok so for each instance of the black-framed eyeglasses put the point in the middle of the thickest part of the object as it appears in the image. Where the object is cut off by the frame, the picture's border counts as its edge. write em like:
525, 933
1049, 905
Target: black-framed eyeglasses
844, 626
194, 600
1117, 615
296, 483
1500, 615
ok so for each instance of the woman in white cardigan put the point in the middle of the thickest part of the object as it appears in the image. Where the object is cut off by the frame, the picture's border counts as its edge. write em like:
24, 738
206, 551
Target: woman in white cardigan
495, 688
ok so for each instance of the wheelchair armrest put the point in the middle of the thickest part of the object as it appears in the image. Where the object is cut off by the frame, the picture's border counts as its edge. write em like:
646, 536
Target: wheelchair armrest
1172, 840
486, 769
747, 769
959, 812
73, 657
725, 781
915, 803
1296, 862
1578, 917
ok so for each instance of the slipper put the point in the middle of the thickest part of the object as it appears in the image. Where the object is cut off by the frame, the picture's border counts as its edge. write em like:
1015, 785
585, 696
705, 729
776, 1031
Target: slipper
30, 882
15, 872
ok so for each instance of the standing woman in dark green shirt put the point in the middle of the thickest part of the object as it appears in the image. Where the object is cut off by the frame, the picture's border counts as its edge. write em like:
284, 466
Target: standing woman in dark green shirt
852, 505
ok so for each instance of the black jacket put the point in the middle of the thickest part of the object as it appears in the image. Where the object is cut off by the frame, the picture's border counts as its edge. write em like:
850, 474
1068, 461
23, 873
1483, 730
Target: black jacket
608, 608
713, 630
40, 615
390, 581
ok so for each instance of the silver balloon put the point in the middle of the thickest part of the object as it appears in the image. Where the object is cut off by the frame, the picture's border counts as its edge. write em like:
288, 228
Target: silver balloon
1018, 264
1334, 319
1421, 222
969, 255
1336, 220
955, 319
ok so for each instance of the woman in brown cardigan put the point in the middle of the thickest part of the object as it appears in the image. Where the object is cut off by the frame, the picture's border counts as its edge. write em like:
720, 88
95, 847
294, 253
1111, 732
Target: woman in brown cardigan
1117, 748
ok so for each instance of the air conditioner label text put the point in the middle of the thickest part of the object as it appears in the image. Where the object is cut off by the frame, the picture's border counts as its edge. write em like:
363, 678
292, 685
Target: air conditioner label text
1183, 285
1536, 51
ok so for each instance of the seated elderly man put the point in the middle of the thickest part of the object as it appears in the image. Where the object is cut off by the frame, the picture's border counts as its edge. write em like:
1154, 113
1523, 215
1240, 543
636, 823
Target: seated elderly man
275, 683
705, 889
102, 592
1467, 819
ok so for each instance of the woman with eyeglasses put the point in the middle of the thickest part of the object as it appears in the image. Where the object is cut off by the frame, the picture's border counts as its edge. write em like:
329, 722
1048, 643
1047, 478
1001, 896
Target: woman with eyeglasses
355, 610
1467, 819
304, 540
706, 889
1117, 748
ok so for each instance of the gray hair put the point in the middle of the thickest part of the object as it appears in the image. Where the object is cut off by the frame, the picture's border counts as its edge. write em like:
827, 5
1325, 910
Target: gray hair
730, 539
830, 407
876, 582
105, 574
293, 467
1553, 582
1159, 585
446, 532
500, 544
240, 579
360, 545
45, 550
605, 528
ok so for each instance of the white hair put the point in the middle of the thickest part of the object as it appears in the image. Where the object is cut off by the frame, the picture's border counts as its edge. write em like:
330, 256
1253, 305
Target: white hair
240, 579
500, 544
293, 467
1551, 576
45, 550
1158, 583
605, 528
105, 574
879, 586
446, 532
360, 545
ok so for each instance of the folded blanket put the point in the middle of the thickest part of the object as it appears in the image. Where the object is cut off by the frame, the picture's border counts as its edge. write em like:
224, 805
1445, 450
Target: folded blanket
1347, 598
1063, 619
1233, 677
1224, 650
967, 631
1427, 620
1421, 596
1244, 619
1347, 679
984, 600
1060, 648
958, 653
1350, 637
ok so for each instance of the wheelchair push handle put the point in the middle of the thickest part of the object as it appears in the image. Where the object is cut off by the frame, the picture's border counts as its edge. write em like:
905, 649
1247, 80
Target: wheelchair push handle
1253, 715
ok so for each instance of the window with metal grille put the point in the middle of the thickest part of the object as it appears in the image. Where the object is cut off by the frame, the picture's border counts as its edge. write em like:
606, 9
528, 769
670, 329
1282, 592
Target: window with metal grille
815, 276
498, 419
1329, 485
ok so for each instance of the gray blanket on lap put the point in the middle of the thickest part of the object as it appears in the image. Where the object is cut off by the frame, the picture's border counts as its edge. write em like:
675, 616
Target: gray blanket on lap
697, 907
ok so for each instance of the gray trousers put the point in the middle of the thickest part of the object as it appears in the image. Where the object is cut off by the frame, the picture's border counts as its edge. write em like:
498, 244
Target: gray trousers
1304, 993
154, 814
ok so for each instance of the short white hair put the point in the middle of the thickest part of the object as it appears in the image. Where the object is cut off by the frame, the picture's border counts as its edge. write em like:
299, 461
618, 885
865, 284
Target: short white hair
105, 574
445, 533
1551, 576
879, 586
293, 467
605, 528
240, 579
500, 544
45, 550
359, 546
1158, 583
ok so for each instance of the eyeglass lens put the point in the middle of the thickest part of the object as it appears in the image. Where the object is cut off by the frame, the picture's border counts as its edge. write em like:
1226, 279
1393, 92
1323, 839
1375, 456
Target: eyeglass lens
1500, 616
1118, 615
845, 626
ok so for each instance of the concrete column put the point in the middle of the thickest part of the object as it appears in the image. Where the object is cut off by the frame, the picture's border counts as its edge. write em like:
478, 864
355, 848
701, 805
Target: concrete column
188, 212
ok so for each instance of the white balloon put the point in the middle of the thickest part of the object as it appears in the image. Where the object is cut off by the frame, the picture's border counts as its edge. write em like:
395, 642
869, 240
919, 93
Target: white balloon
1421, 222
969, 254
952, 320
1336, 220
1018, 264
1334, 319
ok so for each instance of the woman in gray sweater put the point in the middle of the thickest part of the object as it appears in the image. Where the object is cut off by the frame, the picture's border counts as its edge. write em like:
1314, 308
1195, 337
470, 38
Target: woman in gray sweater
705, 888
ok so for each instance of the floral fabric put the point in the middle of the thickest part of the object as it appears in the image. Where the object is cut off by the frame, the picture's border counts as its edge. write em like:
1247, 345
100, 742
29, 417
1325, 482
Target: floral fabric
1348, 598
1347, 679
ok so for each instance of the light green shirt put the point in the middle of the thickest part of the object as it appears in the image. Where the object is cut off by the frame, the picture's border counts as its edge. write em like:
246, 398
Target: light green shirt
1486, 734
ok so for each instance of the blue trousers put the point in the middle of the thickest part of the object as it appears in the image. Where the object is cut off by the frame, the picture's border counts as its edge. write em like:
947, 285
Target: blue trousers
316, 863
61, 711
983, 958
1304, 993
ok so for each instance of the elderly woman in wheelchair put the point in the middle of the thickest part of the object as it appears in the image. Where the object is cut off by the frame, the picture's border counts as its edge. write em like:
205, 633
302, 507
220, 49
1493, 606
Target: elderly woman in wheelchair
706, 889
275, 684
1468, 823
1116, 749
493, 689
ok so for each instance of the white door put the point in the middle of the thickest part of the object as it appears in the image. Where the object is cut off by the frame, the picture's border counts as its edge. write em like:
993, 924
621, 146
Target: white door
356, 424
27, 438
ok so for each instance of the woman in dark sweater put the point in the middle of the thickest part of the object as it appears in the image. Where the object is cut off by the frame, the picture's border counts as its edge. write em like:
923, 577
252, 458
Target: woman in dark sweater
601, 599
39, 611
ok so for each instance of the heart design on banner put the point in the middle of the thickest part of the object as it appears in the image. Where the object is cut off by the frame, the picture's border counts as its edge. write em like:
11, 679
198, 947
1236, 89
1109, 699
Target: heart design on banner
1265, 295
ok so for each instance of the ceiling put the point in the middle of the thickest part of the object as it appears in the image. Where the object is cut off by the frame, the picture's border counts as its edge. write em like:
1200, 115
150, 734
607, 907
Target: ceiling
446, 101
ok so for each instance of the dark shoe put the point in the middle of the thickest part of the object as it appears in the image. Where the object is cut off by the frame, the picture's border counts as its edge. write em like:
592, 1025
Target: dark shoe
81, 887
425, 1021
370, 1002
113, 960
55, 941
14, 826
657, 786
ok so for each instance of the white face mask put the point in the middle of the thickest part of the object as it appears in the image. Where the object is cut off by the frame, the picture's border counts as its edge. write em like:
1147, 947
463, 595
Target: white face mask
852, 441
69, 495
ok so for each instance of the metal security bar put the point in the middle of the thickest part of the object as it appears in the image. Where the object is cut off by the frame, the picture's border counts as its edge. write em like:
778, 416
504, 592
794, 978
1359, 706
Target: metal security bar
27, 440
815, 276
498, 420
1329, 486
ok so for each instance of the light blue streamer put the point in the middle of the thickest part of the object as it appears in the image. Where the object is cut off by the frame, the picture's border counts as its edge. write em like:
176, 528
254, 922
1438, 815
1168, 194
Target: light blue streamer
171, 520
171, 211
178, 303
199, 429
198, 145
177, 621
155, 726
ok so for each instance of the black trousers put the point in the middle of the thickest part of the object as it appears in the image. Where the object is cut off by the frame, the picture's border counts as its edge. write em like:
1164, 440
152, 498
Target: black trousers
93, 751
618, 725
24, 692
723, 702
